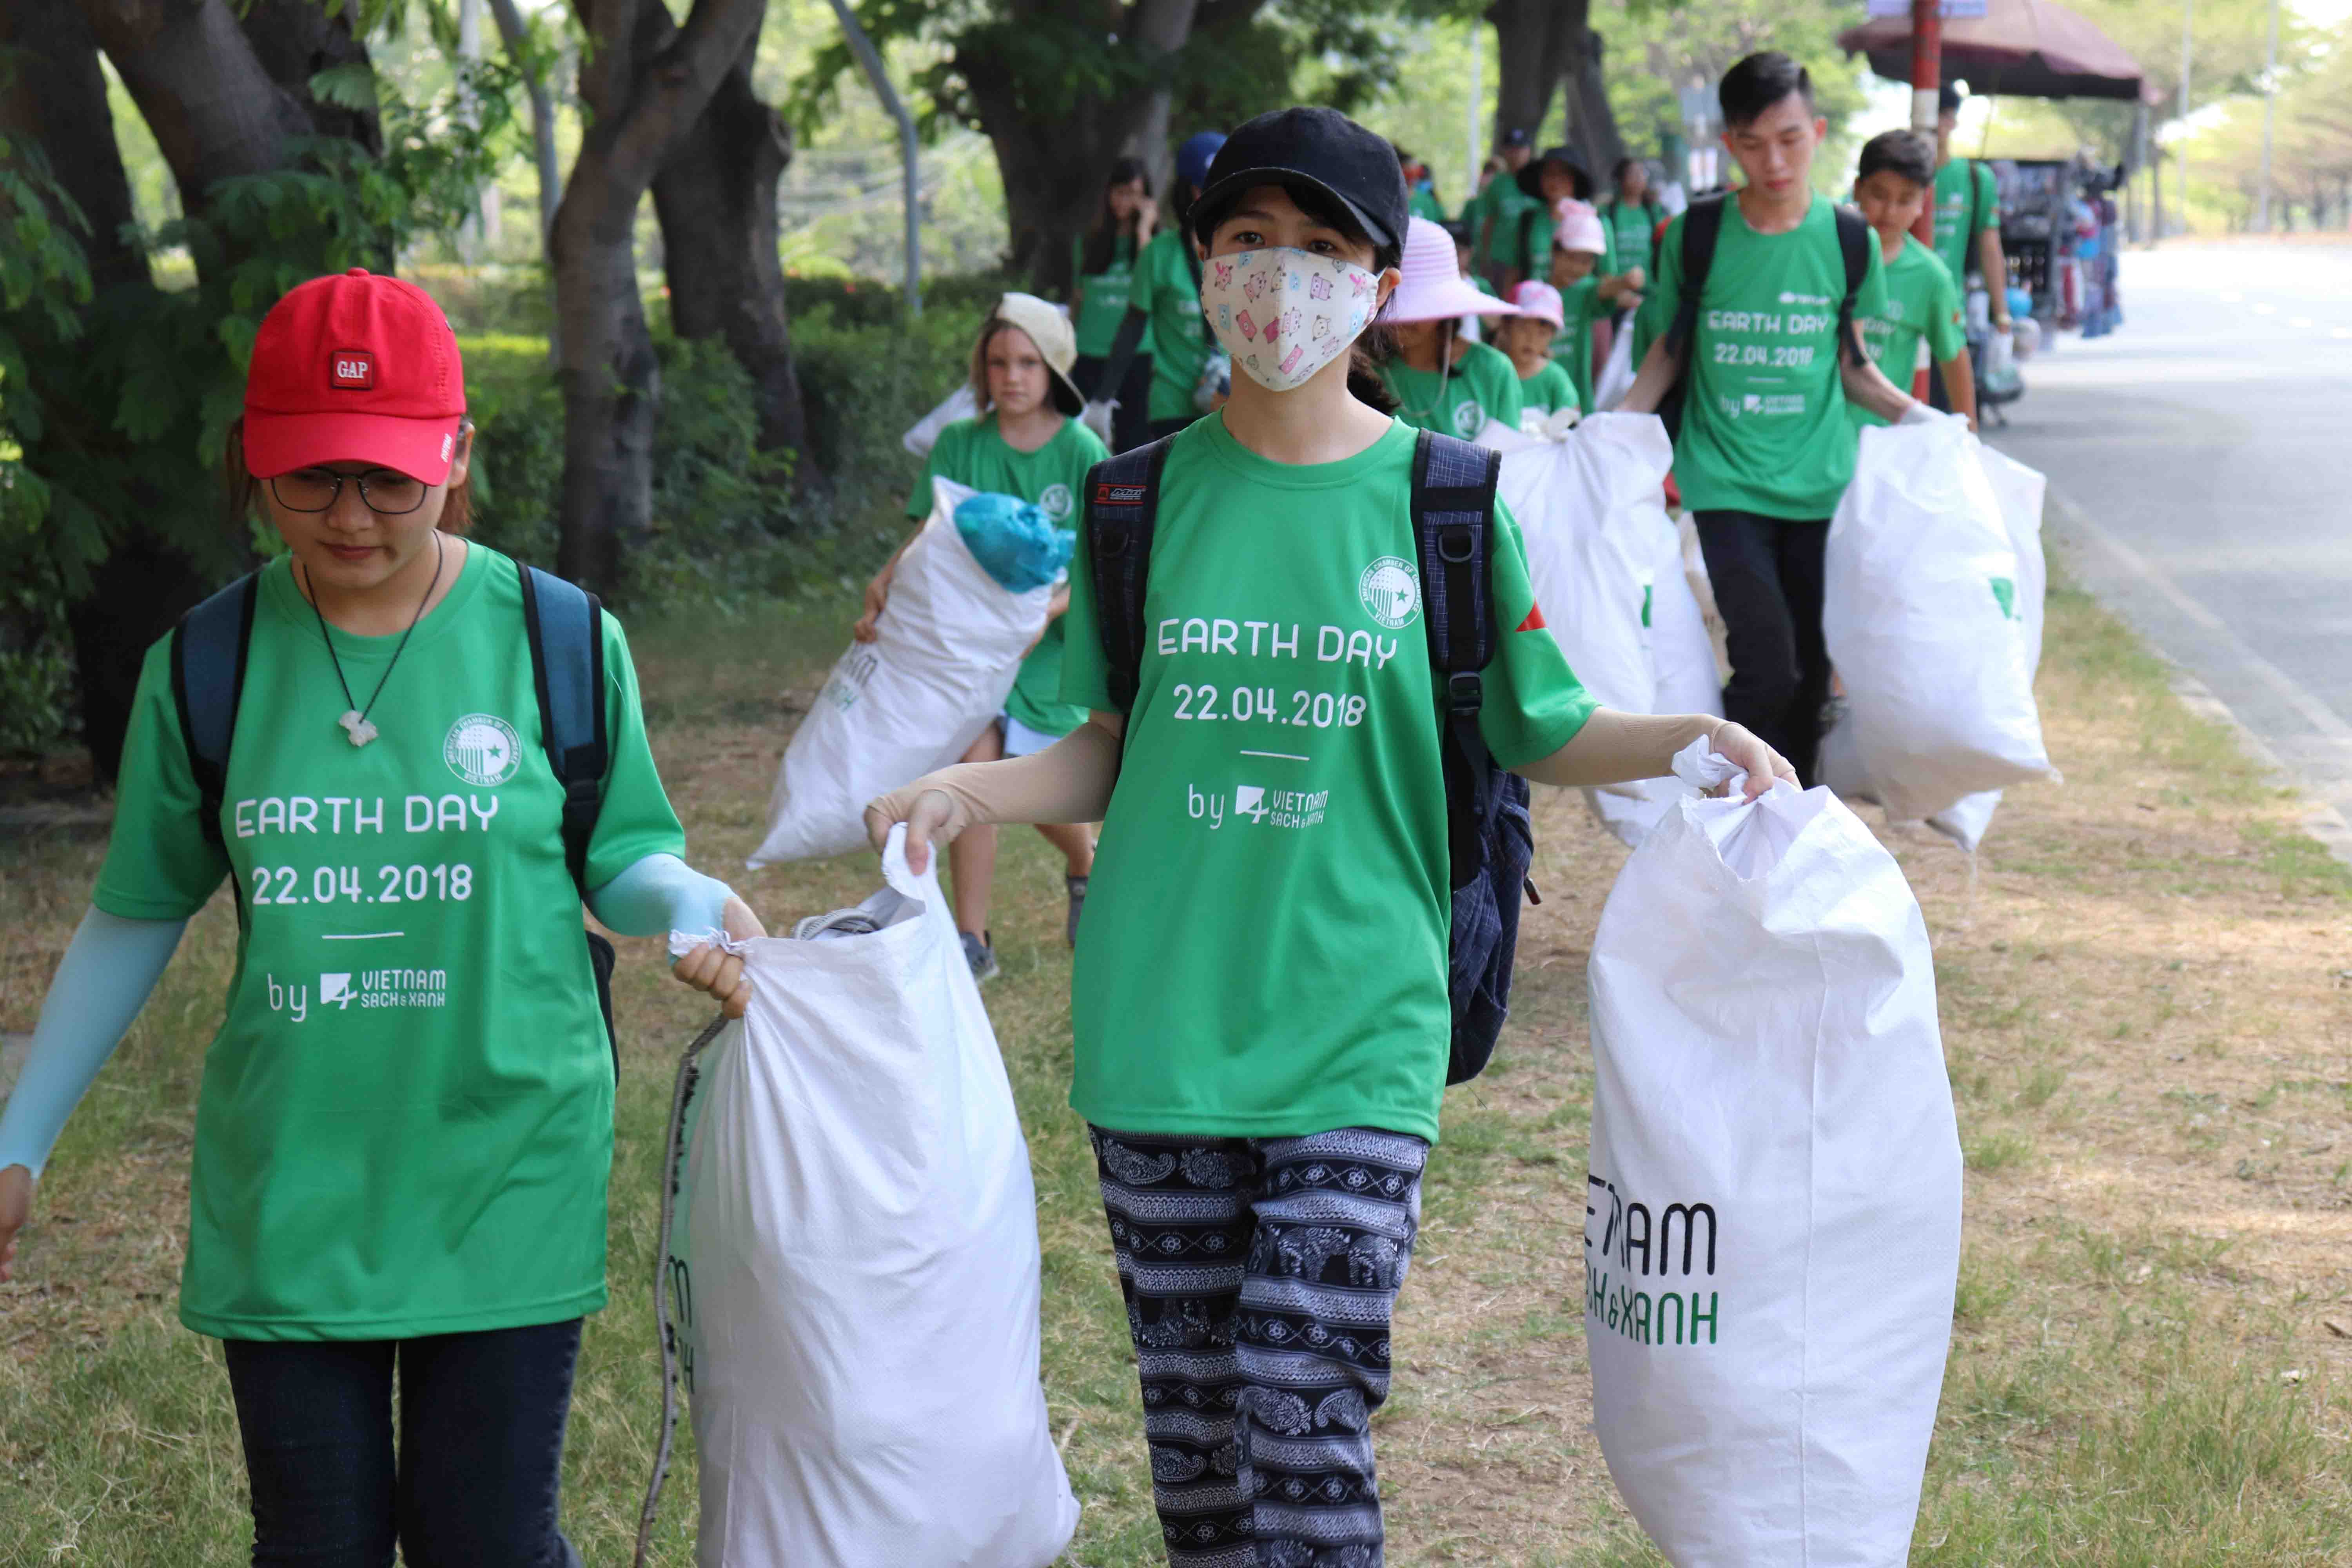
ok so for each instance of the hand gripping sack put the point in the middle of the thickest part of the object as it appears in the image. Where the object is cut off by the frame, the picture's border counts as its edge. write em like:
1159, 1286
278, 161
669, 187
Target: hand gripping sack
854, 1263
915, 699
1919, 609
1773, 1211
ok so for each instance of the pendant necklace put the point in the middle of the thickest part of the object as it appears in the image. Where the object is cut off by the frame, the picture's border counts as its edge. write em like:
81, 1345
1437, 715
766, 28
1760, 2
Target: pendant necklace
355, 718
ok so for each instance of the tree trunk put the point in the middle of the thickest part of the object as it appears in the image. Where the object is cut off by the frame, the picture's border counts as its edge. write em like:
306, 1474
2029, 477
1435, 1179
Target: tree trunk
1535, 46
294, 40
214, 111
1592, 127
1159, 32
644, 83
716, 198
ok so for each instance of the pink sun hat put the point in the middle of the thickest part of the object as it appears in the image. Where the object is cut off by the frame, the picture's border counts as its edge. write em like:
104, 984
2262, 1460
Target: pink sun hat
1540, 300
1433, 288
1576, 226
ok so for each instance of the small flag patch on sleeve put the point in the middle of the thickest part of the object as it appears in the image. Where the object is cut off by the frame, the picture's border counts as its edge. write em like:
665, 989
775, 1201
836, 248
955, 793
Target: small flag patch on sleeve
1535, 621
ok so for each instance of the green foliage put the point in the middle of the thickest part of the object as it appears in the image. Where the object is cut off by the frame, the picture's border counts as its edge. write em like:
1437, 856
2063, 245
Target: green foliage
1656, 46
728, 530
117, 402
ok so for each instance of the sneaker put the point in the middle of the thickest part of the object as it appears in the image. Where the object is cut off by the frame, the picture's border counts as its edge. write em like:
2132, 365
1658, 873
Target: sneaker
1077, 887
981, 956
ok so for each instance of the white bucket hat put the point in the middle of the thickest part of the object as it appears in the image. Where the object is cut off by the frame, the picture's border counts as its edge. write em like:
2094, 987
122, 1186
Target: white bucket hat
1433, 288
1057, 341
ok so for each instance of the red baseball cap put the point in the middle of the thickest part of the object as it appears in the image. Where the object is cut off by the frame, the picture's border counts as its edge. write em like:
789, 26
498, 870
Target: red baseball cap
354, 368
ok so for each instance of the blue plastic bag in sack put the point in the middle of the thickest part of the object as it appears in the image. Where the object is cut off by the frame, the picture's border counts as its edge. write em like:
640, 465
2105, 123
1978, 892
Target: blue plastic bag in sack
1014, 540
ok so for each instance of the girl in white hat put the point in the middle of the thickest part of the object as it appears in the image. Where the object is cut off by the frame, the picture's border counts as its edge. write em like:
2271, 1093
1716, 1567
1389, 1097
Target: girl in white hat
1578, 244
1026, 441
1441, 380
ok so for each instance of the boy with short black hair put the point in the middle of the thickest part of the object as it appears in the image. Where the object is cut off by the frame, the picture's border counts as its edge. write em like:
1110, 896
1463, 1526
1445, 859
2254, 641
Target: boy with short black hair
1898, 168
1763, 349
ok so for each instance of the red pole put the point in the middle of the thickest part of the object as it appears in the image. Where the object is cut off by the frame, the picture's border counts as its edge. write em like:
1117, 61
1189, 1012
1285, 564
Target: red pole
1926, 82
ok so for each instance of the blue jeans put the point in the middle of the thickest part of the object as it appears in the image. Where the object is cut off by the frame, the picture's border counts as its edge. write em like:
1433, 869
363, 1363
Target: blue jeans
479, 1460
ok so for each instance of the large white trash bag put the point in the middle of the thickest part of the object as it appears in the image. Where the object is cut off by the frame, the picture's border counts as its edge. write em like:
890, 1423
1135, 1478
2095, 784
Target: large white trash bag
1590, 510
1919, 609
1682, 652
1773, 1213
949, 644
855, 1261
2020, 490
924, 433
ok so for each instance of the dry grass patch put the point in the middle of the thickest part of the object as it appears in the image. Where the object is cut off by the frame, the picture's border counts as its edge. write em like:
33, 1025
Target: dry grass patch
2145, 998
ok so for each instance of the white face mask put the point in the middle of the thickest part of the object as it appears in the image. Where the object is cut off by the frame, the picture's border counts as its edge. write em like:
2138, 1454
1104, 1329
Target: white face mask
1283, 314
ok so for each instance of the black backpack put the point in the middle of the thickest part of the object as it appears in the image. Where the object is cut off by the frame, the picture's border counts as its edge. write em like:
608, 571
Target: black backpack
562, 625
1702, 222
1490, 839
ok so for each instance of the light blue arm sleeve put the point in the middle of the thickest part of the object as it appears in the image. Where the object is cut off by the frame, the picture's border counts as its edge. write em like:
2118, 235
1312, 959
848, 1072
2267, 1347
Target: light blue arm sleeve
660, 894
104, 979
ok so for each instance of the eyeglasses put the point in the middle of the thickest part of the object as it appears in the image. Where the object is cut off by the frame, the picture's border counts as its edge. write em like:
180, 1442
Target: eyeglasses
383, 491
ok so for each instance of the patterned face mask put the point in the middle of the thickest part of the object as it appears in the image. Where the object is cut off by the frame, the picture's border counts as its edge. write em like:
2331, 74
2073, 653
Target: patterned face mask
1283, 314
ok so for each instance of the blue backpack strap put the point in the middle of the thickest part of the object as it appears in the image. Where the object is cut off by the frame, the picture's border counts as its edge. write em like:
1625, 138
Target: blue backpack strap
1453, 522
208, 650
1122, 507
565, 625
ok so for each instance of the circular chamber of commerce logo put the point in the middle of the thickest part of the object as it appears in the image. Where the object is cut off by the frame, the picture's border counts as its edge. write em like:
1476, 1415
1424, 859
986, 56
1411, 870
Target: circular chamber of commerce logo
483, 750
1390, 591
1056, 502
1469, 418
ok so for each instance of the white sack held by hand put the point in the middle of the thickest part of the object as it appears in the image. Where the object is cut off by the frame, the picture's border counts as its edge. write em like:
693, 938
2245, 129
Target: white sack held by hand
924, 434
1920, 612
1682, 654
854, 1269
947, 650
1773, 1226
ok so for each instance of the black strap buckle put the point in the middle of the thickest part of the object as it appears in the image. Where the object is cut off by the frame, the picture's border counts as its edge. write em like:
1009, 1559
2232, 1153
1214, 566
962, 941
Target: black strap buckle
1465, 692
1455, 546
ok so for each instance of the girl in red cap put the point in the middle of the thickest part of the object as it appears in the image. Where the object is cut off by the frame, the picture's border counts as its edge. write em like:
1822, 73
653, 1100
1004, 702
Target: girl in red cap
1260, 1007
404, 1127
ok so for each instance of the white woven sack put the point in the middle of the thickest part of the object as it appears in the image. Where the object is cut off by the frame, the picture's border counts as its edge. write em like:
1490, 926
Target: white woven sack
924, 433
1682, 654
854, 1263
1919, 609
1773, 1209
949, 645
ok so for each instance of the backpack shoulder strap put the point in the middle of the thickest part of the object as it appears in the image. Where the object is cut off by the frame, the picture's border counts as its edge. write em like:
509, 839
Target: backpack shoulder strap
1702, 224
208, 650
1854, 240
1454, 523
1122, 506
566, 630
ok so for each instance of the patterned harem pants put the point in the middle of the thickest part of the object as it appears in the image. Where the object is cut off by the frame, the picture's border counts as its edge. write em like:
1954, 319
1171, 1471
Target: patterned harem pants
1259, 1274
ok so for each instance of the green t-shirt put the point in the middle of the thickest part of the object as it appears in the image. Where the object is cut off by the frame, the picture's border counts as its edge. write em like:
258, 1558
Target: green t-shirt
1166, 289
1264, 947
1954, 247
1103, 303
405, 1124
1921, 302
1483, 384
1549, 391
1503, 201
1572, 346
1536, 261
1764, 426
1630, 226
970, 452
1423, 202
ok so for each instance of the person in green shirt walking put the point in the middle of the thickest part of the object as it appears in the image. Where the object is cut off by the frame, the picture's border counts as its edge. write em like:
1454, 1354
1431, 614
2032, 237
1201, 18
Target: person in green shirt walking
1259, 1005
1500, 206
1545, 388
1439, 380
1102, 264
1967, 225
1026, 442
1163, 317
1765, 448
404, 1127
1631, 213
1424, 199
1546, 182
1897, 168
1579, 252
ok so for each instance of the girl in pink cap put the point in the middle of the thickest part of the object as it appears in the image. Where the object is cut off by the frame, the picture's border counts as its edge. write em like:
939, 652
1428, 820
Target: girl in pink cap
405, 1124
1579, 246
1544, 384
1441, 381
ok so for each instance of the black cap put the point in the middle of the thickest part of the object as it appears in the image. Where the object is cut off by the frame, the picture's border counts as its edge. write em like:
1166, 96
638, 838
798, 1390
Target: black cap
1530, 178
1948, 99
1516, 137
1320, 149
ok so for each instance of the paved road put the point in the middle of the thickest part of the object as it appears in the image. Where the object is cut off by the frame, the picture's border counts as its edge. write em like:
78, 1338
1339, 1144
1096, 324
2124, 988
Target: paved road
2200, 462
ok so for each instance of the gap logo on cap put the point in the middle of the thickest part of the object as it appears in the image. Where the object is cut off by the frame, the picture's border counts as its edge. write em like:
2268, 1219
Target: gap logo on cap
351, 368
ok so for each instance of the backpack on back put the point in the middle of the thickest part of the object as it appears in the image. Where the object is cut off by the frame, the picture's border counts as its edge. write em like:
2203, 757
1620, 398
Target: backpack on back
563, 625
1490, 840
1702, 226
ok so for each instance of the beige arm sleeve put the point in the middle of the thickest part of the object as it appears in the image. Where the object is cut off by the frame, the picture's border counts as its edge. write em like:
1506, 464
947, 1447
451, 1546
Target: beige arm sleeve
1069, 781
1616, 748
